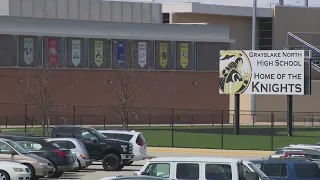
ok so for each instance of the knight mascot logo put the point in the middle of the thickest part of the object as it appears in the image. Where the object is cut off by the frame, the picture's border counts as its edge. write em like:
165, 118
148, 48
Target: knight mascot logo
235, 72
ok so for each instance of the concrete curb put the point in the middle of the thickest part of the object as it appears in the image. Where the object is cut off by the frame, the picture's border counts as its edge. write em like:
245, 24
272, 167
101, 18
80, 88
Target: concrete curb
209, 151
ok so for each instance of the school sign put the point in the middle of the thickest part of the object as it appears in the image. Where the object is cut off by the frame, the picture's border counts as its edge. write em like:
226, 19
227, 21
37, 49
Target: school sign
273, 72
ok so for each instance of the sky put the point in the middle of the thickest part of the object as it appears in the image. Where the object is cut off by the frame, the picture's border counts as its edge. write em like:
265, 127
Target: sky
261, 3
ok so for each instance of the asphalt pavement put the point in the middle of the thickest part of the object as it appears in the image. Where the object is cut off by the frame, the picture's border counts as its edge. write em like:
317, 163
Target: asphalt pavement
95, 171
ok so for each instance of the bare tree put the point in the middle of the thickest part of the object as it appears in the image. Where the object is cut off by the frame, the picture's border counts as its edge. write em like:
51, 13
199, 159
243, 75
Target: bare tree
127, 88
40, 90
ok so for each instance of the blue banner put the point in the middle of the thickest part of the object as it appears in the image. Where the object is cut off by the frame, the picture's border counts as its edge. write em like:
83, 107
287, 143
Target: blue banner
120, 52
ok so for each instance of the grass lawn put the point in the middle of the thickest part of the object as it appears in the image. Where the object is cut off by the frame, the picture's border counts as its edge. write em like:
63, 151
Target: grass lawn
258, 137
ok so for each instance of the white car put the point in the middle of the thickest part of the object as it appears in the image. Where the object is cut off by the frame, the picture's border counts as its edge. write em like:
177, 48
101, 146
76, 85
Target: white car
136, 138
11, 170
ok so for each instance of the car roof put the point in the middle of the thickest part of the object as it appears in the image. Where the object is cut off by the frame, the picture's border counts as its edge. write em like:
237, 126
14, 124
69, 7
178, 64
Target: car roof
132, 132
63, 139
193, 159
283, 160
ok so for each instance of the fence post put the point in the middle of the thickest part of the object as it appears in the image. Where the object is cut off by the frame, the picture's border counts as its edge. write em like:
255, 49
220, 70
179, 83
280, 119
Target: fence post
172, 123
253, 118
32, 121
6, 122
222, 122
311, 121
150, 120
57, 120
25, 117
81, 120
272, 126
74, 115
104, 122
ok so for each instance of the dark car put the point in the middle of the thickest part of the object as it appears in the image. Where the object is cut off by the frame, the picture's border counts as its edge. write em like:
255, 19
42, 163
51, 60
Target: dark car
112, 152
62, 159
291, 169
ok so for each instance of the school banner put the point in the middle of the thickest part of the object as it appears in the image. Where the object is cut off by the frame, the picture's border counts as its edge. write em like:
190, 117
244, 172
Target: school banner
163, 55
184, 51
28, 51
53, 51
142, 54
271, 72
120, 52
98, 52
76, 52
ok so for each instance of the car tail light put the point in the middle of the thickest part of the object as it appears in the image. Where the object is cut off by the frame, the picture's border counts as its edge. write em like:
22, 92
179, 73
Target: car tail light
285, 155
135, 174
83, 156
140, 143
60, 153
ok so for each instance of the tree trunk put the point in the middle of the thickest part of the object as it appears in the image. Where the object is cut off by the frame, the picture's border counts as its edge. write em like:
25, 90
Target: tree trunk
43, 124
124, 124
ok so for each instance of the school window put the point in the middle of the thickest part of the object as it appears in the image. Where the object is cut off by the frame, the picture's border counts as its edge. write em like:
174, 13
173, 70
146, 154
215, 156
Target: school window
77, 53
8, 50
30, 51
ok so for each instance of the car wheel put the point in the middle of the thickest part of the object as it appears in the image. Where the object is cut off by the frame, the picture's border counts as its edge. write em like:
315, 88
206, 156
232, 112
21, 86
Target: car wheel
4, 175
33, 172
56, 175
79, 168
111, 162
127, 163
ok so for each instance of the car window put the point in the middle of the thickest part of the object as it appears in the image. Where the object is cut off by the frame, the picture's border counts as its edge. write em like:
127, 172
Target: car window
5, 149
109, 135
29, 145
307, 170
218, 171
187, 171
158, 170
85, 135
62, 144
17, 147
125, 137
71, 145
63, 132
274, 170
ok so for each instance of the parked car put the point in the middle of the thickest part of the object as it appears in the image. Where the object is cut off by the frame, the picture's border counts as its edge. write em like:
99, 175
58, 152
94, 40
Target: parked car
136, 138
61, 159
291, 169
11, 151
76, 147
133, 178
111, 152
11, 170
201, 168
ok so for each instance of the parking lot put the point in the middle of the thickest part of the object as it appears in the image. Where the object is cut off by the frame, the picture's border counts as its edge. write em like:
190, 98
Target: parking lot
95, 171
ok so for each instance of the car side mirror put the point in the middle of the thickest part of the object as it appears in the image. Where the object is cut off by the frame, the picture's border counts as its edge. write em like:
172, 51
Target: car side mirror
251, 176
144, 173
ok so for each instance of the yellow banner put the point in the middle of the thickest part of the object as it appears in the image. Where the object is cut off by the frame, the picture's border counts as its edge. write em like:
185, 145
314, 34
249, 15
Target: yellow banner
98, 52
163, 55
184, 51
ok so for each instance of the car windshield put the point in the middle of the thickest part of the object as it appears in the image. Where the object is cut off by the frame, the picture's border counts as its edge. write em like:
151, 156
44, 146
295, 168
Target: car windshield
307, 170
261, 174
98, 134
17, 147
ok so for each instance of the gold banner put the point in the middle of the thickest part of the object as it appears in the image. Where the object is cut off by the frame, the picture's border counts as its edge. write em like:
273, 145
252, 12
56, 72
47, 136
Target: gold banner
98, 52
184, 51
163, 55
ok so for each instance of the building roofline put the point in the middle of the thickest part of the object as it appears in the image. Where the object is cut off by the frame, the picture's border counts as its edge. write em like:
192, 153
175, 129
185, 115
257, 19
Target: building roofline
199, 8
113, 30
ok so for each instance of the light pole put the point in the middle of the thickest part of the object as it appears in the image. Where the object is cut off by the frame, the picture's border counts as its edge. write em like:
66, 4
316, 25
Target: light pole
254, 46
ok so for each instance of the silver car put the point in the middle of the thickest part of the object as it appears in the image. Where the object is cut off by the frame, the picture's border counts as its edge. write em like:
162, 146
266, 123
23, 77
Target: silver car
76, 147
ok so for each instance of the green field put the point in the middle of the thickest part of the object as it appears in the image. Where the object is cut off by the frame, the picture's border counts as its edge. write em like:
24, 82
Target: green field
258, 137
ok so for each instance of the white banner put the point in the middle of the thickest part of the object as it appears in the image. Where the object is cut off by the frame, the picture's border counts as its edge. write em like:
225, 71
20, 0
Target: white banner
76, 52
142, 54
275, 72
28, 50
